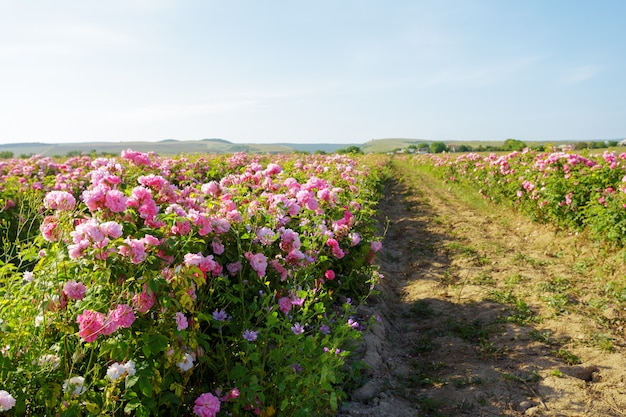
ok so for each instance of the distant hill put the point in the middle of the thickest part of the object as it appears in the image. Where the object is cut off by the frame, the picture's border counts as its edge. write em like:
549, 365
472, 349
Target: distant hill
215, 140
388, 145
165, 147
315, 147
223, 146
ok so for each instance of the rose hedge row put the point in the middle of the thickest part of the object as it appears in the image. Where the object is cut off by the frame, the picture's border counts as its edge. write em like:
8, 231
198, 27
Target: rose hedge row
563, 188
178, 286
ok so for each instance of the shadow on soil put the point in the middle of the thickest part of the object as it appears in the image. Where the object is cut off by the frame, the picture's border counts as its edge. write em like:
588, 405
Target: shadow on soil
434, 352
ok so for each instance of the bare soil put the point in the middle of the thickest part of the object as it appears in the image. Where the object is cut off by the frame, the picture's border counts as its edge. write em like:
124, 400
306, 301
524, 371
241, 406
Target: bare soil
484, 313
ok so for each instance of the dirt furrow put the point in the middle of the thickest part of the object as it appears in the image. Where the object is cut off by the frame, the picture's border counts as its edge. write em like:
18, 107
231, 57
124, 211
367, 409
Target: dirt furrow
478, 317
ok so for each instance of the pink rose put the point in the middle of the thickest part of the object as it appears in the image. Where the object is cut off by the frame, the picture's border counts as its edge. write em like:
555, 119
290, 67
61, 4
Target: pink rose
181, 321
206, 405
74, 290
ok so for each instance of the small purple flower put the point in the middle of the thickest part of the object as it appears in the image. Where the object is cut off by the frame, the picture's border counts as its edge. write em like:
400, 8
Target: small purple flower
353, 323
220, 315
324, 329
297, 329
296, 367
250, 335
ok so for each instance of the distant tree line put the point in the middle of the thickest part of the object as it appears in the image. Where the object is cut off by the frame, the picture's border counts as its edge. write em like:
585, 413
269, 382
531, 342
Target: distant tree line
353, 149
508, 145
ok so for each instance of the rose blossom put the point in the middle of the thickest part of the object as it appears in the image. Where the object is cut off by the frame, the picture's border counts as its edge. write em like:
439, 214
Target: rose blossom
75, 385
115, 371
376, 246
206, 405
284, 304
90, 324
122, 316
144, 301
115, 201
181, 321
258, 262
111, 229
74, 290
59, 200
186, 364
7, 401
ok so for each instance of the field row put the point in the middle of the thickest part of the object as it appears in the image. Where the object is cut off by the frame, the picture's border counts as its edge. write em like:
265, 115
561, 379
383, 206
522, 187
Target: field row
161, 286
567, 189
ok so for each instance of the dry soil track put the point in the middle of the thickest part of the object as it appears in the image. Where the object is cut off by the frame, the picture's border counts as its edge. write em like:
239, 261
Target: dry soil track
478, 317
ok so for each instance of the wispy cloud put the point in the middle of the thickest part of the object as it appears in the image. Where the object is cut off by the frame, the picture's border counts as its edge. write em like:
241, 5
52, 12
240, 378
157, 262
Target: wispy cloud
60, 38
171, 112
580, 74
89, 33
481, 75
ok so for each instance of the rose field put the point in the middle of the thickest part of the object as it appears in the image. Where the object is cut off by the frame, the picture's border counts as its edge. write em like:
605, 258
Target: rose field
241, 284
202, 286
566, 189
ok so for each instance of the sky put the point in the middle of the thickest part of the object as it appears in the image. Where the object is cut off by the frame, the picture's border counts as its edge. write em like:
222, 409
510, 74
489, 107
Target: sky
333, 71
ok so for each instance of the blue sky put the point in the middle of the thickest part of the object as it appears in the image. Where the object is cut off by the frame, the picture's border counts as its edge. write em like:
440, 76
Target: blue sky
342, 71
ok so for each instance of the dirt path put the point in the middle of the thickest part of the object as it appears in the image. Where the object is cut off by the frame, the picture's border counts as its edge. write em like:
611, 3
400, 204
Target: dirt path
480, 316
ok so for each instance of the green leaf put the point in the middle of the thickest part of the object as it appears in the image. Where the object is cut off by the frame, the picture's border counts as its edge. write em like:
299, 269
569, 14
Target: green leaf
146, 350
131, 405
131, 381
142, 412
158, 343
92, 408
145, 386
272, 318
333, 401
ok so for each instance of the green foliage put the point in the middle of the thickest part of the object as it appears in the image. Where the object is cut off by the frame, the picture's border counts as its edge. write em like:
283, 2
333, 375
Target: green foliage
566, 356
282, 359
514, 145
567, 189
438, 147
352, 149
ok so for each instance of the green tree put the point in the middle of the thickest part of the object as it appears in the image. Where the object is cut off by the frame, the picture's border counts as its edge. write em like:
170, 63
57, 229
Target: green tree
6, 155
352, 149
438, 147
514, 145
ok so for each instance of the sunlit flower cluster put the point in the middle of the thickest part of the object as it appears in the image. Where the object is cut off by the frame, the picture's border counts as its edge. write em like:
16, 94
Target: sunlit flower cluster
191, 267
566, 188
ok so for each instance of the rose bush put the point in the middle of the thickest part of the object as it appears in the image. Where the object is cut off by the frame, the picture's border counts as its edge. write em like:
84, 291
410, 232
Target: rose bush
174, 286
574, 191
